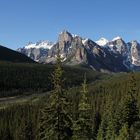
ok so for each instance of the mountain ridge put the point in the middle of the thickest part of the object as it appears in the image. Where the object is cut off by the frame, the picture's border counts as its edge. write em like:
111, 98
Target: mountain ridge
102, 55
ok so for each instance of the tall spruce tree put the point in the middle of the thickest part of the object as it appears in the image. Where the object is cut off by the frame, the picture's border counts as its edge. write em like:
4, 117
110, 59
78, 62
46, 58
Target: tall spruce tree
56, 122
109, 111
82, 126
106, 129
123, 133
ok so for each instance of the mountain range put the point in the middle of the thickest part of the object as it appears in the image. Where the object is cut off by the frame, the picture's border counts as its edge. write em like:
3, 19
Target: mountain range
102, 55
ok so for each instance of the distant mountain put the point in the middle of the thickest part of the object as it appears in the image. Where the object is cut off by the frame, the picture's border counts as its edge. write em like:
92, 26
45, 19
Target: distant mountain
102, 55
36, 51
7, 54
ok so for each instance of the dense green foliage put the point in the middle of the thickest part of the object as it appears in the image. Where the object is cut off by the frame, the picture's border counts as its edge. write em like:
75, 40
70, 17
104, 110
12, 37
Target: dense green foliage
19, 122
19, 79
107, 109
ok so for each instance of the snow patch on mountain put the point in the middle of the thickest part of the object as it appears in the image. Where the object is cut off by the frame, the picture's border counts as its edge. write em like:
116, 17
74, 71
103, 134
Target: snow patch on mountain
116, 38
74, 35
134, 60
102, 41
40, 44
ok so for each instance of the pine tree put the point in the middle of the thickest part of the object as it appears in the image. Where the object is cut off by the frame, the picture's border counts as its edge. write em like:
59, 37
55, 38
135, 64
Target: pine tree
56, 120
106, 129
110, 134
109, 111
82, 126
102, 130
124, 133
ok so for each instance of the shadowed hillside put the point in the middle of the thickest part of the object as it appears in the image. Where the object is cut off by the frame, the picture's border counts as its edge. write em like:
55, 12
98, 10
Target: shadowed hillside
7, 54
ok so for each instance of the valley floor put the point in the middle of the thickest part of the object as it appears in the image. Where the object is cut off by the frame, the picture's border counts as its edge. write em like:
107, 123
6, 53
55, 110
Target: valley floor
21, 98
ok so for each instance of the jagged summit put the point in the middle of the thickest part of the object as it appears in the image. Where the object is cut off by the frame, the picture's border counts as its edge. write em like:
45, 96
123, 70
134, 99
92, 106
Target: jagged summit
64, 31
65, 36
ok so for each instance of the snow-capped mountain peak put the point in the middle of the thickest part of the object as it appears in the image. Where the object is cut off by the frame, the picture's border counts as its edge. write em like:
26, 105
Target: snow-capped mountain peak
40, 44
102, 41
116, 38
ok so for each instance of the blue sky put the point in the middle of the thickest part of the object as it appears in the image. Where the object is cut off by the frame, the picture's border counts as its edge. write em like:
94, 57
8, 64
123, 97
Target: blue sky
22, 21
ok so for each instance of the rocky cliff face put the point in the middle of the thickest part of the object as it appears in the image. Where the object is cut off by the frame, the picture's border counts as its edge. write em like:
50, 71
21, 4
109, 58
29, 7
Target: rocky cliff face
71, 49
117, 45
134, 55
102, 55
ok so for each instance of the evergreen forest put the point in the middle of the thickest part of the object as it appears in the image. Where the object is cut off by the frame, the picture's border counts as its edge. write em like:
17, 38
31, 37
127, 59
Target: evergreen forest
46, 102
